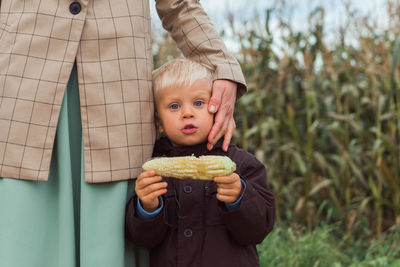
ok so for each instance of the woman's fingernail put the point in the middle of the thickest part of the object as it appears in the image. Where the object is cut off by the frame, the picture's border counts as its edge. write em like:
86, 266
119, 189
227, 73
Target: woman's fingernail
212, 108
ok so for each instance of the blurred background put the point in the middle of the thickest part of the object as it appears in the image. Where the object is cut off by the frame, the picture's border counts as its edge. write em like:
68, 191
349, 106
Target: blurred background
322, 113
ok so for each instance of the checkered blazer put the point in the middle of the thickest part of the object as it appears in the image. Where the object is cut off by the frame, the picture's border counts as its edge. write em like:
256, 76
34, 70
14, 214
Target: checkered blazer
110, 42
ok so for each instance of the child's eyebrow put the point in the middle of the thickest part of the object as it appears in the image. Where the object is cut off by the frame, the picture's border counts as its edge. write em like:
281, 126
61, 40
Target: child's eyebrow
205, 94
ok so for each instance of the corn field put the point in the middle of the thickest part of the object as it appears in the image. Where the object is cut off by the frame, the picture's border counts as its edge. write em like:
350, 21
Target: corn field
322, 112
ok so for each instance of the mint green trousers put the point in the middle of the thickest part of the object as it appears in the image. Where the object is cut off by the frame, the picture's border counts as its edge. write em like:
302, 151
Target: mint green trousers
66, 222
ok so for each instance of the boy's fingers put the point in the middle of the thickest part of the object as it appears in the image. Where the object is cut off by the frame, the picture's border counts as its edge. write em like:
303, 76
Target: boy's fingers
151, 198
148, 190
226, 179
226, 199
146, 174
155, 194
228, 191
229, 187
143, 182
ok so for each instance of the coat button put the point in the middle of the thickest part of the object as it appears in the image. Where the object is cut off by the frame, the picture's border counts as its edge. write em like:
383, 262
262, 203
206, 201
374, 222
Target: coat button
75, 8
187, 189
188, 232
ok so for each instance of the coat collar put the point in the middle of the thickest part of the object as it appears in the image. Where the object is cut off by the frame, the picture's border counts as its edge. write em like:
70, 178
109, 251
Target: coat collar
164, 147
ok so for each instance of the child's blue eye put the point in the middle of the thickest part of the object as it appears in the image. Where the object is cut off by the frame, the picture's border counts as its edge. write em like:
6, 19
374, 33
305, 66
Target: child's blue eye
174, 106
198, 103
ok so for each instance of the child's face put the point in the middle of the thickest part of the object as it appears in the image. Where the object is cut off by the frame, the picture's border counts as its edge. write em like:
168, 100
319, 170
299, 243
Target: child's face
183, 112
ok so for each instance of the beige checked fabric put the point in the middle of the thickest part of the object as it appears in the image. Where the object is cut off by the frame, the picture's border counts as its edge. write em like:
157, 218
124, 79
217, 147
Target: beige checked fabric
110, 42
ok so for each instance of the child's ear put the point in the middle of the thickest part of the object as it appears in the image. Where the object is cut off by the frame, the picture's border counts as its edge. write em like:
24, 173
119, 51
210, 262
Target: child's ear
159, 126
160, 129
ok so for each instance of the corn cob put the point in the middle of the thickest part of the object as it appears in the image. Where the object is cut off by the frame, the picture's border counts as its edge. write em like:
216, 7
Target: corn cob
202, 168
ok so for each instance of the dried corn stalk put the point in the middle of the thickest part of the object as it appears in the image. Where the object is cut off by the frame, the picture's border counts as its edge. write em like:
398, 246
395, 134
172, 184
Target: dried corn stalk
203, 167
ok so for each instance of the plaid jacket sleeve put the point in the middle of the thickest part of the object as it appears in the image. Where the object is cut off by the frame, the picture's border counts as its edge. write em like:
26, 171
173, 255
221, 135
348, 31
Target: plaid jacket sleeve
197, 38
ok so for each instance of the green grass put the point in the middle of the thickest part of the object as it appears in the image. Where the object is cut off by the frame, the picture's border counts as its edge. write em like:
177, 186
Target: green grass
325, 246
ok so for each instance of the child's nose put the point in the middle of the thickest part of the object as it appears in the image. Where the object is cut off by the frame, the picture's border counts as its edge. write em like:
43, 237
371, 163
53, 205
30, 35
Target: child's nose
187, 113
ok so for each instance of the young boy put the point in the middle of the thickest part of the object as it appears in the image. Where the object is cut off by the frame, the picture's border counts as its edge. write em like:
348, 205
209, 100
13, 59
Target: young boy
190, 222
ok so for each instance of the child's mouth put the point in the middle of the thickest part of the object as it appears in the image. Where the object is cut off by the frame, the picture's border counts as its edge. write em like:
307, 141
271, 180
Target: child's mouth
188, 129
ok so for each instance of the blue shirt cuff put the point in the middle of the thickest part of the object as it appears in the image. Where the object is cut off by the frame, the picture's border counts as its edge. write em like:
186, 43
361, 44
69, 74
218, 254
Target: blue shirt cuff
144, 215
235, 205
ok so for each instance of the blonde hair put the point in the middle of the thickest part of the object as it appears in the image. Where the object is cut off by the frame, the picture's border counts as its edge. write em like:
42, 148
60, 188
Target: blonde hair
179, 72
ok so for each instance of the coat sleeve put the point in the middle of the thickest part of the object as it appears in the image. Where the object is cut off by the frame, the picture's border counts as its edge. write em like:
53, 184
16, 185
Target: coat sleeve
254, 219
144, 233
198, 40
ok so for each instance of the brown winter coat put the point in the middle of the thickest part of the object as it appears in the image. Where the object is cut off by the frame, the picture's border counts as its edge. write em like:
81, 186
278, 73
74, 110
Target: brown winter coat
194, 228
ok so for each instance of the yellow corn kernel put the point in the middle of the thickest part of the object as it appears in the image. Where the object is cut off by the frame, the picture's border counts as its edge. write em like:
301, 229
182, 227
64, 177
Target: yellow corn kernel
202, 168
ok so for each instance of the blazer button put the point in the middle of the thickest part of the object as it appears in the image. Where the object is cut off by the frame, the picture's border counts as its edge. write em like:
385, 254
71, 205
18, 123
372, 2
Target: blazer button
187, 189
188, 232
75, 8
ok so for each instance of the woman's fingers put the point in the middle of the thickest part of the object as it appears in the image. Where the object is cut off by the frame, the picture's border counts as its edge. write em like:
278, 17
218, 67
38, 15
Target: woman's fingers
222, 103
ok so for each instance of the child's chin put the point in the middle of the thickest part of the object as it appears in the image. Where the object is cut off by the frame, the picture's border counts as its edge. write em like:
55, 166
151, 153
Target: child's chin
190, 142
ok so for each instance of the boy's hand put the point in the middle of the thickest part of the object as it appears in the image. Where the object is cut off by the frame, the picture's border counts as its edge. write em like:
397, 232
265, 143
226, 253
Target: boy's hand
229, 188
148, 188
222, 102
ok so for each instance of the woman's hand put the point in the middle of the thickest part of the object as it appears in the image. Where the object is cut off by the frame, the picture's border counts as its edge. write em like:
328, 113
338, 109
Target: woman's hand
222, 103
148, 188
